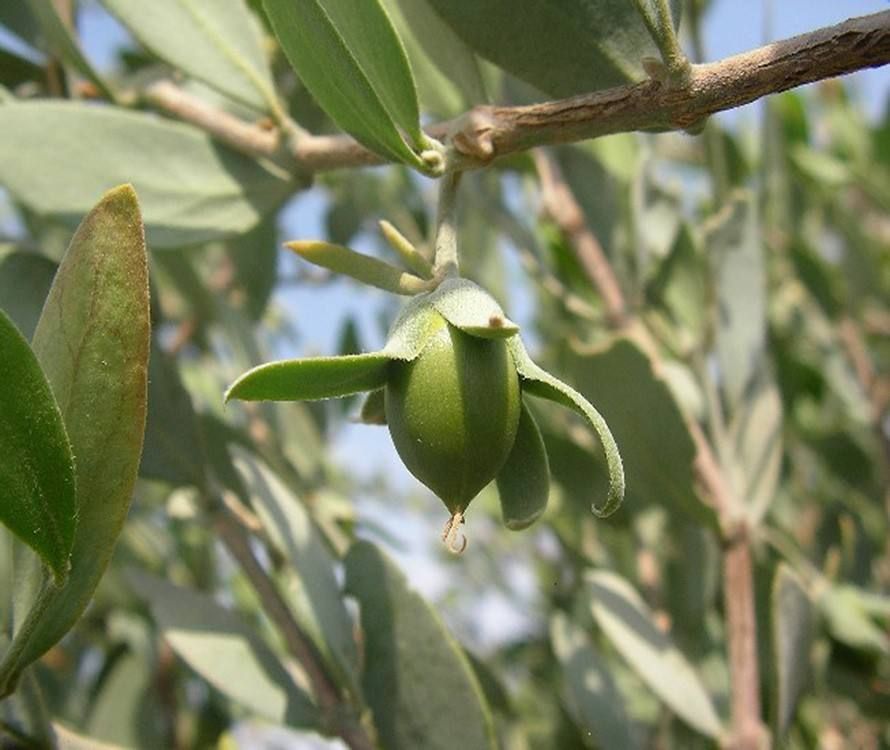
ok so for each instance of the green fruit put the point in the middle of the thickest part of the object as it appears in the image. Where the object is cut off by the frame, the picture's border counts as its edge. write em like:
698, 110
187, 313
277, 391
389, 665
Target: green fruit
453, 412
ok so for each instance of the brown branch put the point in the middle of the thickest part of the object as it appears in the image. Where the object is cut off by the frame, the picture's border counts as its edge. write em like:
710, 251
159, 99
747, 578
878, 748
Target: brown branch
488, 132
299, 645
748, 731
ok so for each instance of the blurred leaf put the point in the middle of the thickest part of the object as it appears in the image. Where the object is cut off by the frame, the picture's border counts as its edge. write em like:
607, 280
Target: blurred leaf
255, 256
756, 430
446, 70
314, 590
63, 43
225, 651
627, 622
93, 342
680, 285
126, 710
648, 426
55, 155
821, 279
524, 480
173, 447
591, 693
70, 740
220, 44
15, 70
822, 168
311, 378
351, 59
563, 48
417, 680
38, 497
849, 620
792, 630
19, 19
25, 279
736, 253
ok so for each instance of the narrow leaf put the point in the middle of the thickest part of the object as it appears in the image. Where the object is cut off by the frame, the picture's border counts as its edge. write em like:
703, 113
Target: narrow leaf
538, 382
314, 590
93, 343
591, 692
219, 43
564, 48
55, 155
311, 379
38, 500
364, 268
410, 255
64, 44
225, 651
351, 60
524, 481
420, 687
793, 623
628, 624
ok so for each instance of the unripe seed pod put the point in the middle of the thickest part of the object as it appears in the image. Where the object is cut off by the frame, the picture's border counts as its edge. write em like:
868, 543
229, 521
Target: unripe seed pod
453, 413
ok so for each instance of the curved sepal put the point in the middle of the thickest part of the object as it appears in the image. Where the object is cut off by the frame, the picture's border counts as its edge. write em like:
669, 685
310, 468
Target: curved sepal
373, 408
311, 379
411, 331
538, 382
524, 481
469, 307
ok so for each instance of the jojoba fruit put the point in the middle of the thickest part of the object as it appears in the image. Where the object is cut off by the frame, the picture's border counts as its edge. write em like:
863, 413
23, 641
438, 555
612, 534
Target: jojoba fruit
453, 413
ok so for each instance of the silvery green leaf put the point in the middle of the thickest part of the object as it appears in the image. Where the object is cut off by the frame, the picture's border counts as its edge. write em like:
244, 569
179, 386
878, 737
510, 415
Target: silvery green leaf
627, 622
524, 480
793, 623
311, 378
538, 382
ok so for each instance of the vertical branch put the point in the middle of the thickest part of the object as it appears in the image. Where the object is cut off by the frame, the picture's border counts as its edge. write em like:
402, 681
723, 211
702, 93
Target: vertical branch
748, 731
338, 714
563, 208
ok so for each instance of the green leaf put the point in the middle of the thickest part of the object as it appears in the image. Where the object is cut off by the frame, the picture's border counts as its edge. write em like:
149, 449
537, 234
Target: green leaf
524, 481
315, 592
93, 343
255, 257
656, 447
220, 44
38, 498
19, 19
15, 70
55, 155
70, 740
469, 307
849, 619
420, 687
564, 48
312, 378
539, 382
225, 651
591, 693
627, 622
793, 626
25, 279
735, 250
439, 58
349, 57
173, 449
63, 43
364, 268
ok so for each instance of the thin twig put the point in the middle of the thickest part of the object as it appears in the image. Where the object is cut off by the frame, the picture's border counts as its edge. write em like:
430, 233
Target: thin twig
298, 643
488, 132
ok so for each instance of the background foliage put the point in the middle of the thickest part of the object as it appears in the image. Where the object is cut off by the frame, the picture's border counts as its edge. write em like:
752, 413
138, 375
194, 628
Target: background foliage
753, 261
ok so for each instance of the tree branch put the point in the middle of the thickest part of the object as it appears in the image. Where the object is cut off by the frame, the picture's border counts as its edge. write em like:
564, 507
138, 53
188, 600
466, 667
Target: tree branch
488, 132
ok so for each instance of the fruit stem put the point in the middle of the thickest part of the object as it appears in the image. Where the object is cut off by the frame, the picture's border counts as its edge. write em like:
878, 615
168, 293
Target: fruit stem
445, 261
452, 532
